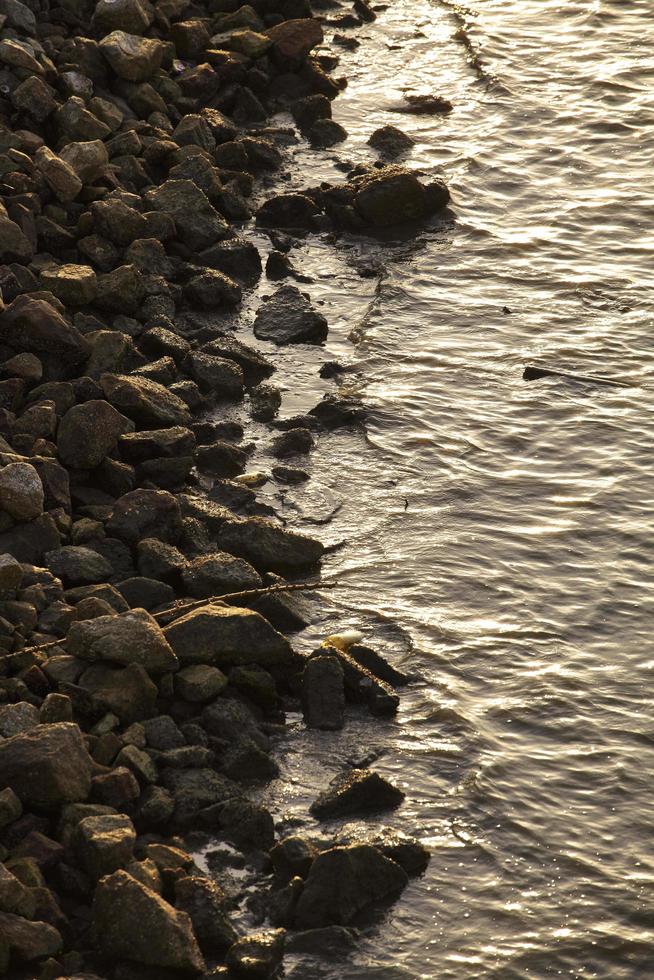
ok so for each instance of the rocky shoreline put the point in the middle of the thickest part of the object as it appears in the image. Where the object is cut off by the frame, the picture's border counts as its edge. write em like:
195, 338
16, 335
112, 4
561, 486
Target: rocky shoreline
146, 594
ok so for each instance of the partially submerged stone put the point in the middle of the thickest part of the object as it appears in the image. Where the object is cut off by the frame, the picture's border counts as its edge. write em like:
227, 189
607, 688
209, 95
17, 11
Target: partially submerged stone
323, 693
356, 791
268, 546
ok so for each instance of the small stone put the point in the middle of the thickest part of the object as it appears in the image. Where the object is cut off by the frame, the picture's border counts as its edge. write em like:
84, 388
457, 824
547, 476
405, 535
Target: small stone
294, 39
218, 573
198, 223
77, 565
88, 159
199, 683
134, 16
104, 843
288, 318
11, 573
47, 766
59, 175
213, 290
21, 491
146, 402
257, 956
390, 141
323, 693
16, 718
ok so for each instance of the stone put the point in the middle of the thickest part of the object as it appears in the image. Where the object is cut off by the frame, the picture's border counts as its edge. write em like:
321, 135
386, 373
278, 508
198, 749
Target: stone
145, 513
295, 442
198, 223
16, 718
213, 290
59, 175
20, 56
363, 686
104, 843
268, 546
132, 637
199, 683
28, 941
131, 922
137, 447
221, 458
19, 16
77, 565
323, 693
222, 377
35, 97
146, 402
217, 574
409, 853
126, 692
288, 318
133, 16
206, 905
290, 210
390, 141
89, 432
11, 807
11, 573
392, 195
259, 955
35, 325
356, 791
74, 285
326, 132
343, 881
21, 491
47, 766
15, 897
56, 707
294, 39
77, 123
14, 243
223, 636
121, 291
196, 789
139, 763
162, 733
145, 593
132, 57
249, 826
293, 856
87, 159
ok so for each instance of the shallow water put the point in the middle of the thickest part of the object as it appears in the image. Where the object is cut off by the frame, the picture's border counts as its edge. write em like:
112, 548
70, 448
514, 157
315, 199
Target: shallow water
517, 582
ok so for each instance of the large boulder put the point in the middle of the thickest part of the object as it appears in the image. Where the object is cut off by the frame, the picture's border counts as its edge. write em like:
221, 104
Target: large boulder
268, 546
393, 195
288, 318
198, 223
30, 324
89, 432
21, 491
146, 402
226, 635
47, 766
132, 637
133, 58
131, 922
343, 881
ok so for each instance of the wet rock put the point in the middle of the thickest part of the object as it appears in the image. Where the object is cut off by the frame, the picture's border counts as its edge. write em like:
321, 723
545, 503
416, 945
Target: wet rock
132, 57
34, 325
104, 844
432, 105
294, 39
145, 513
290, 474
323, 693
132, 637
377, 665
89, 432
328, 942
288, 318
221, 458
219, 375
356, 791
218, 573
21, 491
325, 133
293, 857
363, 686
247, 825
46, 766
198, 223
193, 790
392, 195
205, 904
257, 956
246, 762
199, 683
268, 546
146, 402
390, 141
223, 636
131, 922
409, 853
292, 443
237, 258
294, 211
128, 693
213, 290
29, 941
136, 447
77, 565
343, 881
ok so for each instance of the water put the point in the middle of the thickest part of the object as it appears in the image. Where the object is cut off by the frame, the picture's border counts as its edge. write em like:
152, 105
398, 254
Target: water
517, 582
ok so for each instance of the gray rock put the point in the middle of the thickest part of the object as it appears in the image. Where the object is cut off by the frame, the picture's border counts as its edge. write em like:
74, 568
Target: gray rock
144, 401
77, 565
392, 195
21, 491
11, 573
196, 789
268, 546
29, 941
34, 325
288, 318
323, 693
122, 290
390, 141
136, 447
223, 636
75, 122
162, 733
343, 881
14, 243
356, 791
87, 159
46, 766
213, 290
132, 637
74, 285
133, 16
131, 922
293, 857
219, 375
59, 175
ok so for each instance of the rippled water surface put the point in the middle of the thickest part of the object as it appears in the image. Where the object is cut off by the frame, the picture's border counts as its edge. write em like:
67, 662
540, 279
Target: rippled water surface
517, 580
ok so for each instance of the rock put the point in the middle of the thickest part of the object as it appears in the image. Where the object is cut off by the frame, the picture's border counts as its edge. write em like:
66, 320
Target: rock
131, 922
133, 58
326, 132
292, 443
218, 375
391, 142
117, 221
409, 853
15, 897
121, 290
146, 402
132, 637
104, 843
377, 665
226, 635
21, 491
199, 683
268, 546
392, 195
59, 175
218, 574
10, 807
77, 123
343, 881
133, 16
77, 565
249, 826
292, 210
46, 766
198, 223
323, 693
288, 318
205, 904
294, 39
34, 97
162, 733
89, 432
257, 956
126, 692
14, 243
356, 791
29, 941
196, 789
145, 593
221, 458
16, 718
87, 159
34, 325
144, 514
136, 447
11, 573
213, 290
74, 285
139, 763
363, 686
293, 857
